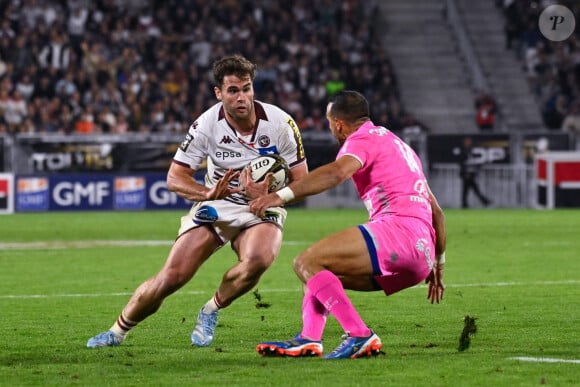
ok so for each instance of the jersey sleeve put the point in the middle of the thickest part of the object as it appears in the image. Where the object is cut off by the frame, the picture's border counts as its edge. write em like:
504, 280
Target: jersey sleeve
291, 146
193, 150
357, 147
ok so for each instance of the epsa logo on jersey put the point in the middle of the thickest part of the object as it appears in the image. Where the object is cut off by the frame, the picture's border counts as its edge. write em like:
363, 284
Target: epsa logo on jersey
32, 194
227, 155
269, 151
129, 193
205, 215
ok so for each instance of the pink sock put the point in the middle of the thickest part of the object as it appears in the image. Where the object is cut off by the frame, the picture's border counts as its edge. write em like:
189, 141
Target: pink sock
313, 317
327, 289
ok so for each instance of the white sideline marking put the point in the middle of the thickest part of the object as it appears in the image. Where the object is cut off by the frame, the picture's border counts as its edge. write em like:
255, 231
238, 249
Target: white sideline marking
297, 289
499, 284
24, 296
79, 244
103, 243
545, 360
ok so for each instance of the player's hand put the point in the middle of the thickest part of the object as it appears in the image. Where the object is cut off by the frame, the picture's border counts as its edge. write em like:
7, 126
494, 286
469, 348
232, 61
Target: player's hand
435, 284
252, 189
259, 206
222, 188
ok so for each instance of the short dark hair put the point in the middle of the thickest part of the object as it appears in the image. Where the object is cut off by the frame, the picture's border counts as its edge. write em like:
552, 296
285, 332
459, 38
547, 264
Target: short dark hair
233, 65
350, 106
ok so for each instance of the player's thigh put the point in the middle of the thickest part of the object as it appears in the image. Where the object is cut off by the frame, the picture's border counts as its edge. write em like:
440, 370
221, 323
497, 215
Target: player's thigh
191, 250
362, 283
259, 243
344, 253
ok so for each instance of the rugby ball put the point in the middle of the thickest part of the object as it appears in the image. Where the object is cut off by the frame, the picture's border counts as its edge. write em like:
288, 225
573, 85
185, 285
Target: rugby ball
265, 164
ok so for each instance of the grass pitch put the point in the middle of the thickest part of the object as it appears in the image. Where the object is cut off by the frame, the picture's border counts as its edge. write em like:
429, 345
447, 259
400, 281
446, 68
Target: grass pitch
65, 277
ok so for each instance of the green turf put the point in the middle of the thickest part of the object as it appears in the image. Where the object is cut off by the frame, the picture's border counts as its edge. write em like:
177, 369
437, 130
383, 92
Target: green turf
517, 271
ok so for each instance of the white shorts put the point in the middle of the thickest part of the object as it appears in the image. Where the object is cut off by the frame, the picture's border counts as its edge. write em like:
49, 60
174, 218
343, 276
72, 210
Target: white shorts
228, 219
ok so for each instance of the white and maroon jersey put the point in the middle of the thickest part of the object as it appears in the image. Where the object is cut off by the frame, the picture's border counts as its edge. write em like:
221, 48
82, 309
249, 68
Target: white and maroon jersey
391, 180
211, 138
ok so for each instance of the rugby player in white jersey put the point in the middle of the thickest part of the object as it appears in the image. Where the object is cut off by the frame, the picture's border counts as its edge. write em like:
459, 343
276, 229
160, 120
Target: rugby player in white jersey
226, 136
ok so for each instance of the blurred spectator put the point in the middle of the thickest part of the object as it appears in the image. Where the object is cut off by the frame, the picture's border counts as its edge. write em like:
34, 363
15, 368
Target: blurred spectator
513, 24
65, 86
148, 61
410, 126
25, 86
14, 108
485, 108
44, 88
85, 124
200, 49
334, 84
317, 119
554, 110
31, 13
552, 67
304, 123
468, 171
106, 120
65, 119
46, 123
4, 101
55, 53
5, 30
3, 67
121, 126
171, 125
571, 121
77, 28
23, 55
27, 127
412, 130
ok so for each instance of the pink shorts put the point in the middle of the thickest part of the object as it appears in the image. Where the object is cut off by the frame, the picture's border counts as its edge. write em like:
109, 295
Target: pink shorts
402, 251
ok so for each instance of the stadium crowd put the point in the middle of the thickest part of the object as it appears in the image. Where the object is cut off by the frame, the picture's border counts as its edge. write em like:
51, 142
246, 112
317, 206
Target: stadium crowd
110, 66
553, 68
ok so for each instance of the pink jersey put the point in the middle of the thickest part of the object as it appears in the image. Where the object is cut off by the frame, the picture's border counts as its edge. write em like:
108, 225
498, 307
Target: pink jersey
391, 180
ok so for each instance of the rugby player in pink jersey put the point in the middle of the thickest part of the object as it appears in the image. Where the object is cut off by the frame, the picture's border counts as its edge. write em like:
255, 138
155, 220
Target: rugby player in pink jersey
401, 245
227, 136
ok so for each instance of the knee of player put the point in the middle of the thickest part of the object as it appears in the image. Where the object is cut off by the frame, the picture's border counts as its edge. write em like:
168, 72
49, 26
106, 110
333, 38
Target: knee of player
256, 266
302, 264
169, 281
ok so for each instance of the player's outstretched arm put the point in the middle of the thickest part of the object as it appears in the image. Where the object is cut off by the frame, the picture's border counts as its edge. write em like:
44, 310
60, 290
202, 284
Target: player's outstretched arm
438, 225
436, 287
317, 181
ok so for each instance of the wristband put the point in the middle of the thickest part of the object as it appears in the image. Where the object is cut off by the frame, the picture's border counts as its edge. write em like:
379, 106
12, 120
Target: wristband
286, 194
441, 260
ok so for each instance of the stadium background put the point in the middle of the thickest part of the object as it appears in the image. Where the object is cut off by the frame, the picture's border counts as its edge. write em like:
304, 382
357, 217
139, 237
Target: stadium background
96, 95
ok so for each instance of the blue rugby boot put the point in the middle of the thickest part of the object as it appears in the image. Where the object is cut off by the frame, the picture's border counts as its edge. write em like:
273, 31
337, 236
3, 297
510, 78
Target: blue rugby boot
204, 330
297, 347
105, 339
355, 347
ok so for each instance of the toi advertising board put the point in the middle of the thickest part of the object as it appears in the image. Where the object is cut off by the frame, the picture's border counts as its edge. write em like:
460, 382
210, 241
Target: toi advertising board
86, 192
